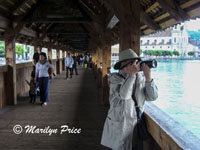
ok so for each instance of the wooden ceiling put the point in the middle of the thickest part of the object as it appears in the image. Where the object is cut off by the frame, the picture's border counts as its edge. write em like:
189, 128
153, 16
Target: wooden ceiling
78, 24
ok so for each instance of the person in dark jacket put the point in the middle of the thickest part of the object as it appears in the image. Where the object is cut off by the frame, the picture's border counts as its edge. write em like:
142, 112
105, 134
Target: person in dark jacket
74, 65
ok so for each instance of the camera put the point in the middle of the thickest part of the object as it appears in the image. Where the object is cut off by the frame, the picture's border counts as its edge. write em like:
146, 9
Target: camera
150, 63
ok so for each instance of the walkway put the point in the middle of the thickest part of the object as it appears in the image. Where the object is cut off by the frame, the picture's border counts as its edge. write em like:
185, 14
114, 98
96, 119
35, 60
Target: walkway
74, 102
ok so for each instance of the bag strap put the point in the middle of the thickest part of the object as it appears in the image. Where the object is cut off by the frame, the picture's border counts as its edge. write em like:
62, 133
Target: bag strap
133, 96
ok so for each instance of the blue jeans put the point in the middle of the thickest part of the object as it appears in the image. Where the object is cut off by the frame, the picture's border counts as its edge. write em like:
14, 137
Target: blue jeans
44, 89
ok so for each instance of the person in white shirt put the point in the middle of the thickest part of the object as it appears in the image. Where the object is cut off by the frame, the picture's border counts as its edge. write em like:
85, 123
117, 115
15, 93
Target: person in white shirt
43, 77
69, 64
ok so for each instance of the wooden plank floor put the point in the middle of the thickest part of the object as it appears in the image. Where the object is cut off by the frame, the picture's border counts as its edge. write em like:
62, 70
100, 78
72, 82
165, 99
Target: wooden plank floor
74, 102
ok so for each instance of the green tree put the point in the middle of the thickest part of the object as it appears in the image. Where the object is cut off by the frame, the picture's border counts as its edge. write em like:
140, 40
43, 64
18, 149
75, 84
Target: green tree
19, 49
141, 51
2, 49
191, 53
176, 53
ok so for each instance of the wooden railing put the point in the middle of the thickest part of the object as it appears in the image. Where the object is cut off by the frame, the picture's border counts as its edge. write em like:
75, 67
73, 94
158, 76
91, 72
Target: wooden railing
167, 132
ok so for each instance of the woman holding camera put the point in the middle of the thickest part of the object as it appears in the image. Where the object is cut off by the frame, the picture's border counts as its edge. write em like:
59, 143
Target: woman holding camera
127, 85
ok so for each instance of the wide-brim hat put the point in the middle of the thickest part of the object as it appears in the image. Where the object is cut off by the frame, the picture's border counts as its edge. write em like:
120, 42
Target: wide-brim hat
125, 55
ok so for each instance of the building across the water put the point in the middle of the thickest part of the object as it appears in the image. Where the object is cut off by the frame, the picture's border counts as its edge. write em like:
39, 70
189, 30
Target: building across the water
172, 39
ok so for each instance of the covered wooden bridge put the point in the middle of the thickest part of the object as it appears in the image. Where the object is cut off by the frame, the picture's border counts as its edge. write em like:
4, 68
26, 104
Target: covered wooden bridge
79, 26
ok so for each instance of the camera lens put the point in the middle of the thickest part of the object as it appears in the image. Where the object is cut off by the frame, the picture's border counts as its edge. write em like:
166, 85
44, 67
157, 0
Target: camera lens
150, 63
154, 63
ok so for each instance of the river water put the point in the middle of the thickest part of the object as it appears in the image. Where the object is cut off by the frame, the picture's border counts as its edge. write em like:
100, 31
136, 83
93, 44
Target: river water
178, 83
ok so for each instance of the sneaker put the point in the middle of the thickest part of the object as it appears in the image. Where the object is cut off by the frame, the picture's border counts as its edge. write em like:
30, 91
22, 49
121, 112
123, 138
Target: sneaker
44, 104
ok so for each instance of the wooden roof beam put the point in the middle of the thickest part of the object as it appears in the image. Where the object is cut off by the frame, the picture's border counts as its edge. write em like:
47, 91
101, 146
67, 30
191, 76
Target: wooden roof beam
183, 6
99, 6
173, 9
4, 8
89, 12
59, 20
144, 18
52, 42
13, 31
83, 4
19, 7
10, 2
156, 4
43, 34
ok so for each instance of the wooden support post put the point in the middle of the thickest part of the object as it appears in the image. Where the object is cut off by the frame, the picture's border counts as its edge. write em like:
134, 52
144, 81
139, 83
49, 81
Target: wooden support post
50, 53
130, 30
99, 69
36, 48
129, 16
63, 60
50, 60
94, 63
105, 72
10, 75
58, 62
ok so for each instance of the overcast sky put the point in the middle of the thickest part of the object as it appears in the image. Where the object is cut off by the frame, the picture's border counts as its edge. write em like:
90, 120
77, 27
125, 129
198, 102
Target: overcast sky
193, 24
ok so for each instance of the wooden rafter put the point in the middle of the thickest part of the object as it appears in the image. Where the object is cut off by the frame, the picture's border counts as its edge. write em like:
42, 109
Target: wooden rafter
156, 4
144, 18
189, 3
173, 9
90, 13
99, 7
10, 2
59, 20
4, 7
37, 40
19, 7
53, 42
20, 24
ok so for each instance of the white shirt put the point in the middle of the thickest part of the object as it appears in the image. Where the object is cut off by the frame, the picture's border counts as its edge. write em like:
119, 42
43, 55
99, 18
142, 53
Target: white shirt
69, 61
42, 69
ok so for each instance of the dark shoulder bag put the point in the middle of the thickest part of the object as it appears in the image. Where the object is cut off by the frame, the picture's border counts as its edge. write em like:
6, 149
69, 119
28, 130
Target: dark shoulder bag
142, 131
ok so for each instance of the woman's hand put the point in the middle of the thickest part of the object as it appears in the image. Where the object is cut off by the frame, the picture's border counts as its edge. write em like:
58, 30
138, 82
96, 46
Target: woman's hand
147, 72
132, 69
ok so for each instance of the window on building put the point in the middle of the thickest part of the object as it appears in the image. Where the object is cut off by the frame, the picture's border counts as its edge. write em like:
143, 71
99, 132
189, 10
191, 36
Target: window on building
170, 40
153, 47
160, 46
147, 41
163, 40
174, 40
140, 41
155, 41
145, 46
